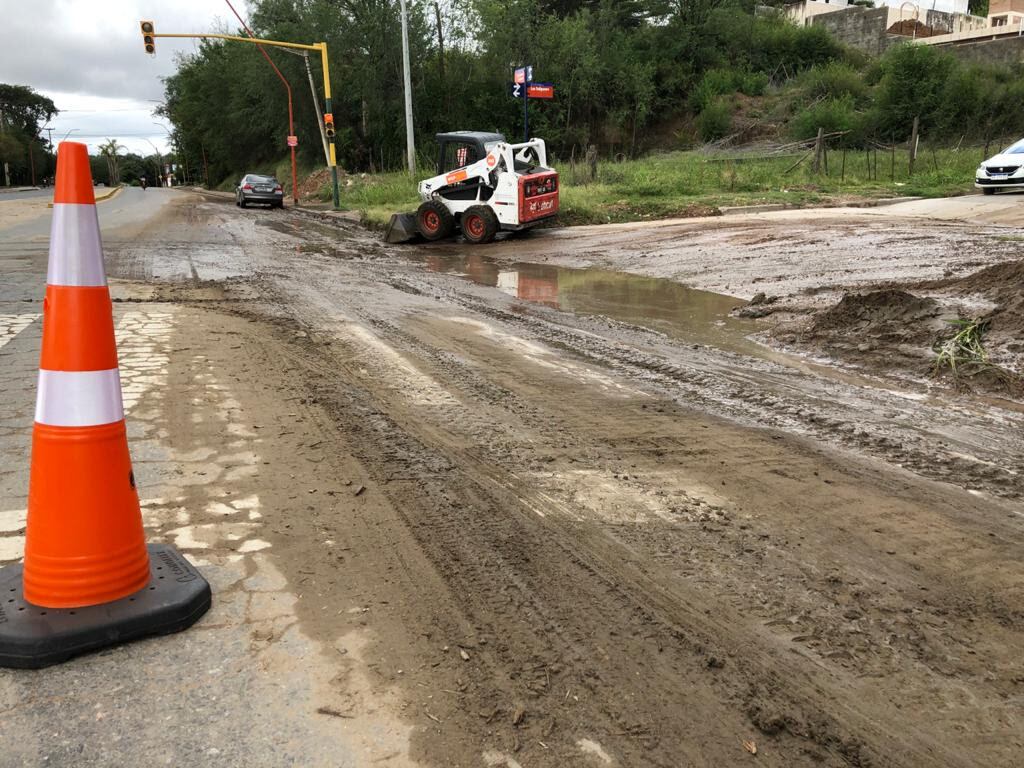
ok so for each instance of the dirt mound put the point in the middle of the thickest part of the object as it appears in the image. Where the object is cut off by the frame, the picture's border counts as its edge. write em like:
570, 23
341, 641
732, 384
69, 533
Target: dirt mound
1003, 286
884, 331
888, 315
1003, 283
891, 329
309, 187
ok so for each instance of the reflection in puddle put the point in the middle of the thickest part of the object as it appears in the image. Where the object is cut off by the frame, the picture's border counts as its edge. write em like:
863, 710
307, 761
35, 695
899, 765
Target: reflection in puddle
682, 313
662, 305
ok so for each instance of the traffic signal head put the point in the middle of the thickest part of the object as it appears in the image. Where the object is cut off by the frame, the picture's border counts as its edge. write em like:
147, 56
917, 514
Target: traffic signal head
329, 125
148, 38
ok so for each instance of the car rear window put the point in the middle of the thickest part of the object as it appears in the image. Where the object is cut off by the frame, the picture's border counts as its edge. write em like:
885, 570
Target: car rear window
261, 179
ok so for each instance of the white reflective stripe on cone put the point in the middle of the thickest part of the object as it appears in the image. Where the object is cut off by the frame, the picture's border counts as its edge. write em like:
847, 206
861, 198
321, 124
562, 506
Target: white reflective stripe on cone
79, 398
76, 252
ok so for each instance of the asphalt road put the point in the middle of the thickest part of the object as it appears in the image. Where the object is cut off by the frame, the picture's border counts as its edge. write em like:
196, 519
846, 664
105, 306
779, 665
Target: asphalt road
464, 510
25, 194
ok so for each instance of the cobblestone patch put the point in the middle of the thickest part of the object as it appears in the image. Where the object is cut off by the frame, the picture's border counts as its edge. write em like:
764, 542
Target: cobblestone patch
243, 686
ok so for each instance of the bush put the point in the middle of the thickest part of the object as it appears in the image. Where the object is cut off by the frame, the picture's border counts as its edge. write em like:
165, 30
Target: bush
913, 84
833, 115
724, 81
779, 42
833, 81
715, 122
753, 83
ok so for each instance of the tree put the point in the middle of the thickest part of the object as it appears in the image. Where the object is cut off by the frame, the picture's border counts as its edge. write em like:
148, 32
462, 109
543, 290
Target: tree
109, 150
24, 110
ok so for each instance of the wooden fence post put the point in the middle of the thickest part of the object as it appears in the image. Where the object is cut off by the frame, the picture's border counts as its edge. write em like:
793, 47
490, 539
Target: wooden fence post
913, 148
818, 144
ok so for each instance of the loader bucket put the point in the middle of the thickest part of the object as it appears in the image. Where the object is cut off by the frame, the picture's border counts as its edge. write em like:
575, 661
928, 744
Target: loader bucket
401, 228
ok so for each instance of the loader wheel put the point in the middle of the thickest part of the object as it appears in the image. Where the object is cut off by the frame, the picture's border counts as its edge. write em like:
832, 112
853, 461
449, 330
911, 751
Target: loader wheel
434, 221
479, 224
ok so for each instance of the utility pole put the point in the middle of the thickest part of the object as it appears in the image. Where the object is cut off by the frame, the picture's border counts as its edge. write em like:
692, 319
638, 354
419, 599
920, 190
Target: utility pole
410, 144
319, 112
159, 164
440, 59
7, 167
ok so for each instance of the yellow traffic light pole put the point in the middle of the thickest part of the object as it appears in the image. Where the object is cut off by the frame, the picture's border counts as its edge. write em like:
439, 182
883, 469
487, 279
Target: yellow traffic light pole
321, 47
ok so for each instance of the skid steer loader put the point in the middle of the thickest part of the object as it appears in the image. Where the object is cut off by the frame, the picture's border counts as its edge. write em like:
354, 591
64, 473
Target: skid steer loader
483, 185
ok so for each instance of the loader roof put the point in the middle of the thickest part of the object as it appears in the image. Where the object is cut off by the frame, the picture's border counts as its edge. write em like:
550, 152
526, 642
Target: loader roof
481, 136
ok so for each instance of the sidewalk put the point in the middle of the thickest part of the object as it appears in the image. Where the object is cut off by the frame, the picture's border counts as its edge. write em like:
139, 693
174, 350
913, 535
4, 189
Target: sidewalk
216, 467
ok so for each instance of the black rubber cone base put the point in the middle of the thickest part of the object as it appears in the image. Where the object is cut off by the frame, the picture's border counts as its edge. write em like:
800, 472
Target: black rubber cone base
32, 637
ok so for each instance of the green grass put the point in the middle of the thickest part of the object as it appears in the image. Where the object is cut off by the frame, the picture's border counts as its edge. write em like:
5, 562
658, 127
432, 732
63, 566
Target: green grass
691, 183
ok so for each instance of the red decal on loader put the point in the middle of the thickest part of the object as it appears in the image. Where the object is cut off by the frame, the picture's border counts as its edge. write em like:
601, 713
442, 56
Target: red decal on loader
538, 196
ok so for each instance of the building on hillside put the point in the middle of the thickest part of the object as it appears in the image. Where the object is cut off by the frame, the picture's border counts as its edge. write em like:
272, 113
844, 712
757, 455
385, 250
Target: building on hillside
944, 6
1006, 13
998, 38
803, 11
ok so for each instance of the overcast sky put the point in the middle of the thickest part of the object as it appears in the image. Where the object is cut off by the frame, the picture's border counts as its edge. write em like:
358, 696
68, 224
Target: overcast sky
87, 56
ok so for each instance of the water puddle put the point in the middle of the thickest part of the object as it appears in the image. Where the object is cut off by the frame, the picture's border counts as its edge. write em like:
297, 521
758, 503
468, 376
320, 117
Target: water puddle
694, 316
681, 313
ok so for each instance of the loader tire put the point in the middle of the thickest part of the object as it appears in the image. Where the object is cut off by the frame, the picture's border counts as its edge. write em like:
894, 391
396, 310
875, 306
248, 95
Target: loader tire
479, 224
434, 221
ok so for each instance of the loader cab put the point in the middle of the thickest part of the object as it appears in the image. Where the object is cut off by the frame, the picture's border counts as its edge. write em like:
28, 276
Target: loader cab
458, 149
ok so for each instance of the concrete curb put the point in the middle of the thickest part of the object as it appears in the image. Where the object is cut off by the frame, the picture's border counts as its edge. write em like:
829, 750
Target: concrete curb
768, 207
101, 198
213, 192
109, 195
337, 217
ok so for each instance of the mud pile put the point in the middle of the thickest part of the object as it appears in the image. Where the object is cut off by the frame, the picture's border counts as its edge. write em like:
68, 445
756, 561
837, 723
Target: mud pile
895, 332
1003, 286
880, 329
309, 187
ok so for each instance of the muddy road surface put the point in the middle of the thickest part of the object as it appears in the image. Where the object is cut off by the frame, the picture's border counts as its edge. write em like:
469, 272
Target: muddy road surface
577, 517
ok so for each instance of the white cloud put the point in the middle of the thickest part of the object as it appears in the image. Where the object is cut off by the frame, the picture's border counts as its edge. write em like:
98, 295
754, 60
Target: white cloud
87, 56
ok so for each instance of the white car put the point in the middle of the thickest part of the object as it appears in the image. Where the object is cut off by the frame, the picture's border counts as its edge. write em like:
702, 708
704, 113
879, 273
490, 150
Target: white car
1002, 171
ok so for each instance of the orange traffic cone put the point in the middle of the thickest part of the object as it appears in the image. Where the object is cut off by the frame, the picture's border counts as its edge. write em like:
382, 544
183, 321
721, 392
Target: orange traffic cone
84, 545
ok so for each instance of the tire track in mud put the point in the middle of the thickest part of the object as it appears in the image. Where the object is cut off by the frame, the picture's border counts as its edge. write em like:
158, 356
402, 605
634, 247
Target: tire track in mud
944, 441
463, 551
734, 387
583, 603
508, 570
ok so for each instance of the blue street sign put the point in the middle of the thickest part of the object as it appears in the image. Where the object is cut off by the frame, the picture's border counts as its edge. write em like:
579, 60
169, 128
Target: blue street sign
532, 90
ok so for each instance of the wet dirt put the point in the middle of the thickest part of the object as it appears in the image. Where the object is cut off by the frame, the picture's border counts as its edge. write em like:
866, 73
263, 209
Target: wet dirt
682, 313
592, 533
804, 263
897, 332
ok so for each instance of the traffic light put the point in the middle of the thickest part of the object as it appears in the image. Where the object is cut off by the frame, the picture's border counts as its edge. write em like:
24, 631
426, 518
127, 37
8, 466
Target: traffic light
148, 36
329, 125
